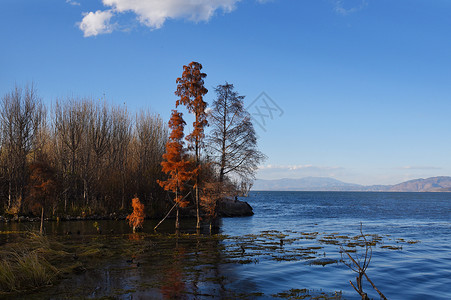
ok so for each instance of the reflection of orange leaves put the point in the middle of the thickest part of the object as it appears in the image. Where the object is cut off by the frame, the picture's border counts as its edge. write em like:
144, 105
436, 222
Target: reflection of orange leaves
136, 219
135, 237
173, 285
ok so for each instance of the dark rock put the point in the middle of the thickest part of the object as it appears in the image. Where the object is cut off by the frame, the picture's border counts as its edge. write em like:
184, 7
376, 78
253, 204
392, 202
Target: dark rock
234, 208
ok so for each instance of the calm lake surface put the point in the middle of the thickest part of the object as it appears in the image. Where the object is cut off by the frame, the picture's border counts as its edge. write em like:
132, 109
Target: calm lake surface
411, 260
418, 271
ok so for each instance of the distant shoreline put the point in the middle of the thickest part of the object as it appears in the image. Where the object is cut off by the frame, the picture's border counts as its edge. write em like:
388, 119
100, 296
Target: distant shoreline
362, 191
326, 184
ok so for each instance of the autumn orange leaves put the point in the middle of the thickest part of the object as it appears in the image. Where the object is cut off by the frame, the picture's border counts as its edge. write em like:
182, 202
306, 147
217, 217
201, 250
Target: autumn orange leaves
136, 218
175, 161
176, 164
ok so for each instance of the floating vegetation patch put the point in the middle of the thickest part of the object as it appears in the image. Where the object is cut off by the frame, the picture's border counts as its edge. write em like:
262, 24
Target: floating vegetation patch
413, 242
291, 246
323, 262
391, 247
307, 294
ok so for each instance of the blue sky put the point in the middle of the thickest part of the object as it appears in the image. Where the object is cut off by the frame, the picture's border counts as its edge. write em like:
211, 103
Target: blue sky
364, 85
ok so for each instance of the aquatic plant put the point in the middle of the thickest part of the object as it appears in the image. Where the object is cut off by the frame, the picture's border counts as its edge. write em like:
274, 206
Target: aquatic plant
25, 266
136, 218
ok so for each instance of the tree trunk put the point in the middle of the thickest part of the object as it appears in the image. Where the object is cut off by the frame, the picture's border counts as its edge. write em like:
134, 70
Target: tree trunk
85, 192
177, 223
155, 228
41, 230
123, 191
197, 185
224, 137
197, 207
9, 194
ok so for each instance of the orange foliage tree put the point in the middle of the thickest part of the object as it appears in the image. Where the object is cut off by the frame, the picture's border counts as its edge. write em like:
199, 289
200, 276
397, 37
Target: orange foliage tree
191, 90
42, 187
136, 218
175, 163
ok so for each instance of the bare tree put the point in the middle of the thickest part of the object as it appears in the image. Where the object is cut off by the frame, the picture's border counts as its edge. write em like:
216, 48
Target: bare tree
148, 147
69, 130
99, 138
21, 115
99, 158
232, 142
120, 142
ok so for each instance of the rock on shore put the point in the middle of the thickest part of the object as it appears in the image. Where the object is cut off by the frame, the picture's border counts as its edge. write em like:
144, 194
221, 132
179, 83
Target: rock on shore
234, 208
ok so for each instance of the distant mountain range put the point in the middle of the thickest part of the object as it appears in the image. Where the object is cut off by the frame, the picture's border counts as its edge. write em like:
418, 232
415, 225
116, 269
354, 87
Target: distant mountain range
433, 184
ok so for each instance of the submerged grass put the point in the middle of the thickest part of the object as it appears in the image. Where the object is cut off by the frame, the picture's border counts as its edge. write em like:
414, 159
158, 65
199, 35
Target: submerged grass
34, 260
24, 265
307, 294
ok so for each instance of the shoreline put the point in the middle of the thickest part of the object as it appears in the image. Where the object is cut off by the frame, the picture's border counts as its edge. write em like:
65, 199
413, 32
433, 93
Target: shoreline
227, 208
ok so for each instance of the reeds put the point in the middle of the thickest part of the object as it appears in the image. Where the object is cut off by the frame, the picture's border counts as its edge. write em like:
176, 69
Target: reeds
24, 266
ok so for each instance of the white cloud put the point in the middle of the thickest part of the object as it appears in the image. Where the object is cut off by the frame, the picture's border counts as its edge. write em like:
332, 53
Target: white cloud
347, 7
95, 23
296, 167
71, 2
420, 168
153, 13
277, 171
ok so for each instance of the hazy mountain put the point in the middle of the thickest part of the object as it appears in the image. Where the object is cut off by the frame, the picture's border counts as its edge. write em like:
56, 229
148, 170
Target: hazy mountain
433, 184
304, 184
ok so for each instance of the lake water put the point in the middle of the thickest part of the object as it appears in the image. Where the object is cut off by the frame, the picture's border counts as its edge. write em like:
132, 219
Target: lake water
418, 271
411, 259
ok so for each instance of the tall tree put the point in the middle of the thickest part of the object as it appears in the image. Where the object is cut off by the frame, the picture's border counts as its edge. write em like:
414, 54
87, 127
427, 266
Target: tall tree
176, 164
191, 90
21, 115
70, 129
232, 142
148, 147
100, 136
119, 150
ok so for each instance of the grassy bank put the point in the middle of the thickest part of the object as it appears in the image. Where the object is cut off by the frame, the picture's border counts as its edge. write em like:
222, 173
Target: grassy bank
26, 264
34, 260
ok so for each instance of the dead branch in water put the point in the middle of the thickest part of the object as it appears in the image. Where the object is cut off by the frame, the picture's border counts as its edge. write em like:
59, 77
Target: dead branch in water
357, 265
